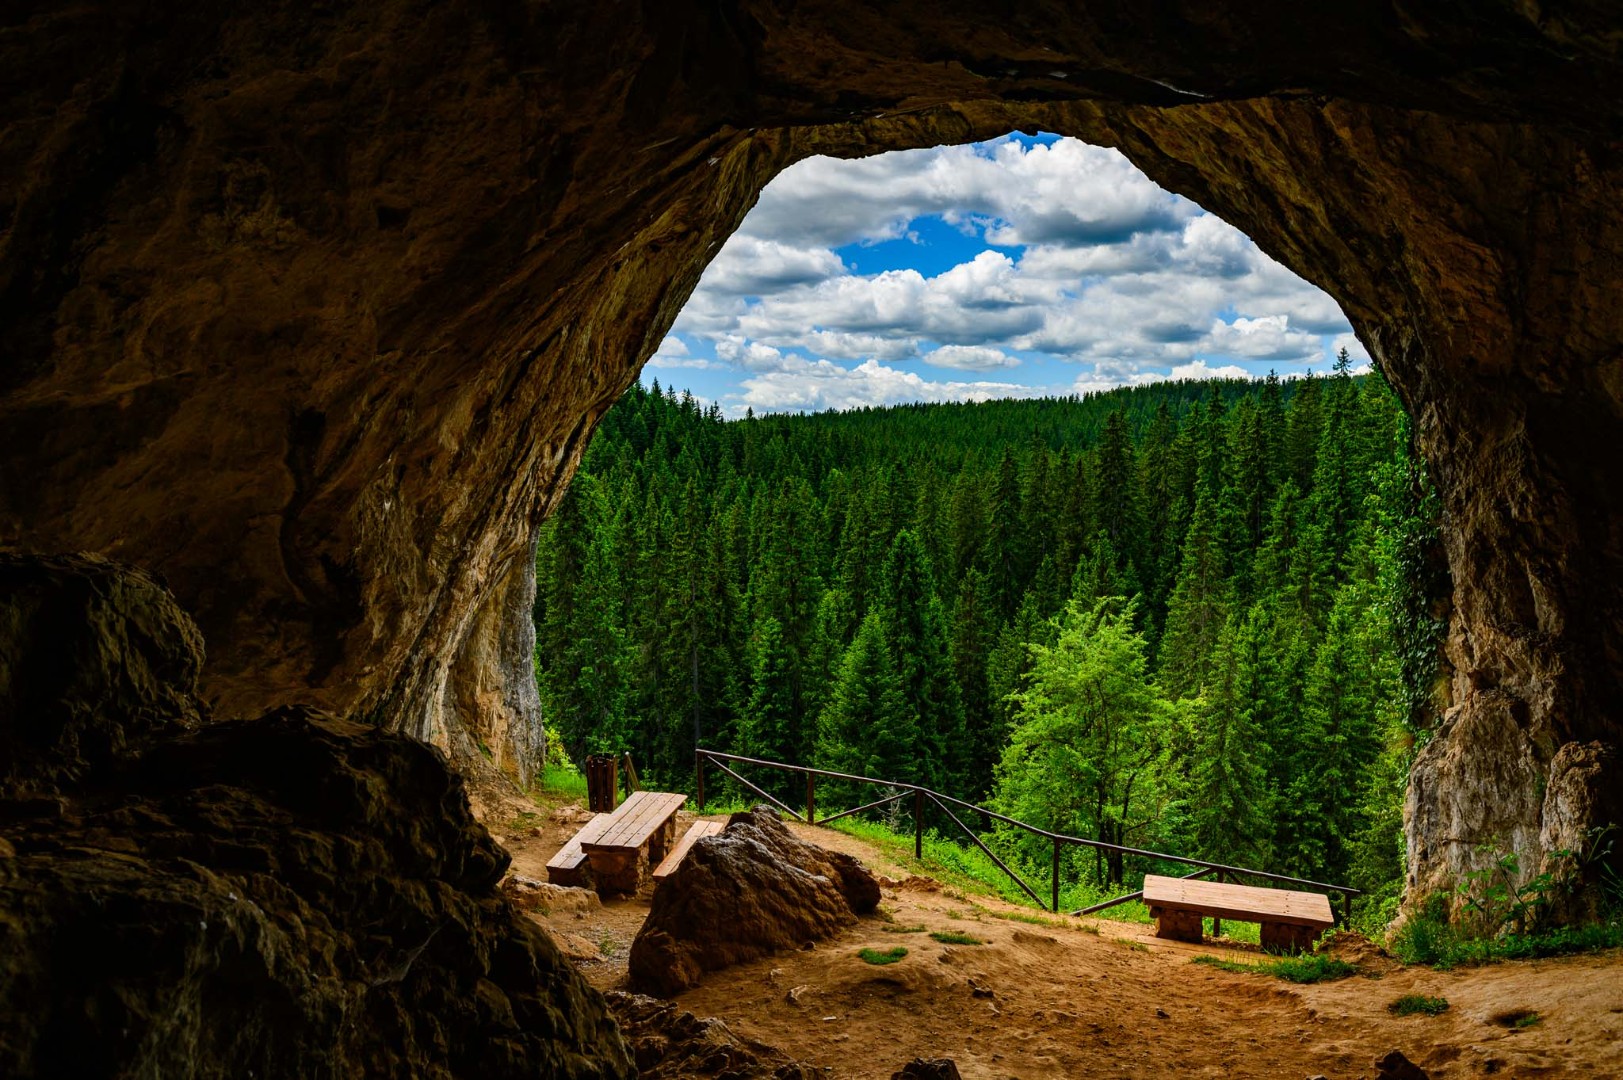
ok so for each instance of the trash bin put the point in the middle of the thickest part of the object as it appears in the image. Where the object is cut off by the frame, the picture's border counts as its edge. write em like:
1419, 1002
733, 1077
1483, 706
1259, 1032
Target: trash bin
602, 782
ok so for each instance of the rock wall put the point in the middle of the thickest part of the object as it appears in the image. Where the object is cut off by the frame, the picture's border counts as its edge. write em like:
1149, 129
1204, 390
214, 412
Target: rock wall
291, 896
312, 311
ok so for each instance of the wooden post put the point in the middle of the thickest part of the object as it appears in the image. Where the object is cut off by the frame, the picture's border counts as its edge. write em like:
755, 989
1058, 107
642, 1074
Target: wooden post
1217, 924
633, 782
1056, 875
698, 767
918, 824
811, 798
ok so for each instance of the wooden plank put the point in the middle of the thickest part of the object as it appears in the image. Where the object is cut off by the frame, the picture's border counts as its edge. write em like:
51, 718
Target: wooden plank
630, 819
638, 818
696, 832
1245, 903
570, 856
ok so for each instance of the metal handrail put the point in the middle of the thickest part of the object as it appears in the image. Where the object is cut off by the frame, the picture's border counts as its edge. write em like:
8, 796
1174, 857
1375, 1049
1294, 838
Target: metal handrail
920, 793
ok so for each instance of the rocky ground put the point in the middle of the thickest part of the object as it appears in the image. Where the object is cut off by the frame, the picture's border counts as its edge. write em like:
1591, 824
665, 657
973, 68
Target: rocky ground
1061, 997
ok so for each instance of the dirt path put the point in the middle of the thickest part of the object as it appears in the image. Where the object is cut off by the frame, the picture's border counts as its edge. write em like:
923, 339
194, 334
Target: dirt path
1094, 998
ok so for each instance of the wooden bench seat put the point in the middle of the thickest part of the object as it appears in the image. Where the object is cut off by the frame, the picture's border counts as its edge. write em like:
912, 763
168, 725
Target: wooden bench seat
635, 838
1290, 920
570, 865
696, 832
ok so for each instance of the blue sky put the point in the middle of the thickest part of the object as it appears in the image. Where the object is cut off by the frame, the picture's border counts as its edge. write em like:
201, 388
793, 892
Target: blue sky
1016, 267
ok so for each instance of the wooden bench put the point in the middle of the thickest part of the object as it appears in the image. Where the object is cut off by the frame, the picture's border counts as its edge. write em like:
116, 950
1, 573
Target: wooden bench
696, 832
570, 866
1290, 920
636, 837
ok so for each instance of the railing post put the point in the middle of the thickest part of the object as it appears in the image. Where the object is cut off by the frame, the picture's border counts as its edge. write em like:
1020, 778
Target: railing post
811, 798
1217, 924
698, 767
1056, 875
918, 824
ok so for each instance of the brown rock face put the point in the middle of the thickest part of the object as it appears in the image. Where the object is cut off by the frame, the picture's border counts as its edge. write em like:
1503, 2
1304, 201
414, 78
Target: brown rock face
311, 312
748, 891
670, 1044
294, 896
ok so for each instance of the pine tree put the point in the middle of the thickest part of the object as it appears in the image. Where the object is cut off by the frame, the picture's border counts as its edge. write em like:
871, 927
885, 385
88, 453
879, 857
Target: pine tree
1200, 603
769, 726
916, 631
1230, 809
866, 728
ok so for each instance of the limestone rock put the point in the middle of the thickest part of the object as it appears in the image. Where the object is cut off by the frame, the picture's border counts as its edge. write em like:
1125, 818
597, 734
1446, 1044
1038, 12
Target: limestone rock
530, 894
748, 891
96, 660
323, 906
670, 1044
1394, 1066
928, 1069
304, 894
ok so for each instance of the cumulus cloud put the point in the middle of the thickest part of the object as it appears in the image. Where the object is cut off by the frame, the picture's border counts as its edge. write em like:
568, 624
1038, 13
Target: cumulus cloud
1070, 253
814, 385
971, 358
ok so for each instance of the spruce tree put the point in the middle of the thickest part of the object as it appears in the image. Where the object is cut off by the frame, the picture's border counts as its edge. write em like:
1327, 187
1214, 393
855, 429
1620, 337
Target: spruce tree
867, 729
1230, 811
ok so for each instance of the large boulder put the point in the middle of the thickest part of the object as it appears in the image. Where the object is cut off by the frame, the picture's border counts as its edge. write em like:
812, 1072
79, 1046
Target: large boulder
668, 1043
295, 895
748, 891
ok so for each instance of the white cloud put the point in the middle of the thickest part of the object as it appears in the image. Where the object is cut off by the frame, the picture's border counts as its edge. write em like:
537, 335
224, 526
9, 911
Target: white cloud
814, 385
971, 358
1098, 266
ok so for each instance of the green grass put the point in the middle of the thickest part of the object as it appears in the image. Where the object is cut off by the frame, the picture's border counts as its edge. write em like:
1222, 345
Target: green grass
967, 868
1309, 968
559, 784
1418, 1005
903, 929
953, 937
880, 957
1428, 938
1527, 1021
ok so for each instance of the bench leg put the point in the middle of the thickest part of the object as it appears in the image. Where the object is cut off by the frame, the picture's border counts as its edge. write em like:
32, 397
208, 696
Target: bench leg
1287, 937
1177, 925
620, 872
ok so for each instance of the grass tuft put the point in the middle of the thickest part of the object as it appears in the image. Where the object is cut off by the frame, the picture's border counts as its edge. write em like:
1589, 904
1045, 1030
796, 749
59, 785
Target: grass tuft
954, 937
1311, 968
1418, 1005
897, 929
880, 957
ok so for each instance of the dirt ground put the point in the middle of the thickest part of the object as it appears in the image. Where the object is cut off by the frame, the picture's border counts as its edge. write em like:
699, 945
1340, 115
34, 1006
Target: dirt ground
1093, 998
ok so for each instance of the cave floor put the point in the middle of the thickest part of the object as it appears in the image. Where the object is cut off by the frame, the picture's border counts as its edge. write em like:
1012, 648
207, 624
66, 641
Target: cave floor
1091, 997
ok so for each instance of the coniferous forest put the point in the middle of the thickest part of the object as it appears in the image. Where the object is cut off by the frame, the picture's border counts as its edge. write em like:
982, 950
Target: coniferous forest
1198, 617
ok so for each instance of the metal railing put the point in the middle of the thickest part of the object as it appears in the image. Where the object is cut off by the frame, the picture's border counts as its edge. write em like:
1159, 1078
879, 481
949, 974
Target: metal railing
944, 804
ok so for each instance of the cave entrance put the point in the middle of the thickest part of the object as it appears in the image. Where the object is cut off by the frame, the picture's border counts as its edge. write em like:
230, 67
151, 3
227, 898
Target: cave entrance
932, 410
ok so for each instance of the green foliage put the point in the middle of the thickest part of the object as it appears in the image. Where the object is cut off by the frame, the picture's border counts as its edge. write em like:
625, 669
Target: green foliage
1307, 968
881, 957
1091, 728
954, 937
1190, 617
1429, 937
1418, 1005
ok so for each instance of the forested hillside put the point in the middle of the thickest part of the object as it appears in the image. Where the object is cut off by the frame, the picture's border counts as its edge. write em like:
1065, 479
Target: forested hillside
1188, 616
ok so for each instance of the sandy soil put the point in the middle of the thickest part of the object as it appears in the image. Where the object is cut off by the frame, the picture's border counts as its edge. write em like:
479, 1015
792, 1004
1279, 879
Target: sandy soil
1094, 998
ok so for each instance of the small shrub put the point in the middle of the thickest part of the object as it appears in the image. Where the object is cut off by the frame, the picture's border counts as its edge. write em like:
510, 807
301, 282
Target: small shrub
954, 937
1418, 1005
880, 957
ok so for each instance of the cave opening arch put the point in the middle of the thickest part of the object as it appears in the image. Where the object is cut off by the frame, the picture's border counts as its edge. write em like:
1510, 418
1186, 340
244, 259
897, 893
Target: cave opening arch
386, 269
